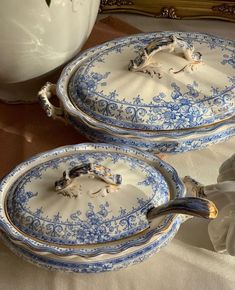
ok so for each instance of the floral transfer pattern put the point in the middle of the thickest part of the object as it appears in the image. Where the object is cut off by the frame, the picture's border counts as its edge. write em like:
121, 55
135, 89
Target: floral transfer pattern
114, 263
187, 106
229, 59
99, 224
170, 174
176, 142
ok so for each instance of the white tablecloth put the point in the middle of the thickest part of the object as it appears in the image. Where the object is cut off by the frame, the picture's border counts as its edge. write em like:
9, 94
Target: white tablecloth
189, 261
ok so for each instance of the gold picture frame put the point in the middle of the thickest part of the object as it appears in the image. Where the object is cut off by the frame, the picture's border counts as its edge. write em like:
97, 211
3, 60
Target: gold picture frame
180, 9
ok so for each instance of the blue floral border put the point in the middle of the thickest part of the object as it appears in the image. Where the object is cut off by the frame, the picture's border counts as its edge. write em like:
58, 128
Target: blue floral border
184, 111
178, 190
100, 225
113, 263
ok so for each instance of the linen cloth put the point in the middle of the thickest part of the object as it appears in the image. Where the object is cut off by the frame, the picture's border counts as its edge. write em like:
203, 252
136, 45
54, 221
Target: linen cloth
189, 261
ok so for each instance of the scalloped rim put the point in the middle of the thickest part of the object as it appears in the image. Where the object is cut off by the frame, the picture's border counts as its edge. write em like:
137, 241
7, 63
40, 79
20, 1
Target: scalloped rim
107, 264
69, 107
108, 248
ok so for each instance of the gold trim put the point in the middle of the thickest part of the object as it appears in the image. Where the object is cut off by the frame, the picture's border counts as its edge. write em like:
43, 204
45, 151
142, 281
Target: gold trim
169, 12
84, 245
170, 195
174, 9
18, 242
225, 9
118, 3
213, 211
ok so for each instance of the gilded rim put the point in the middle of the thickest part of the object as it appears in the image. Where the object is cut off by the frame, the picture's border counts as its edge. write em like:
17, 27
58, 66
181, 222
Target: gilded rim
58, 249
71, 108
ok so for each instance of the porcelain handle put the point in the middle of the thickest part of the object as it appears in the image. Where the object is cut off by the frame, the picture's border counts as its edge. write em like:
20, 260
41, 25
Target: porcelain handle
91, 169
192, 206
193, 187
144, 61
46, 92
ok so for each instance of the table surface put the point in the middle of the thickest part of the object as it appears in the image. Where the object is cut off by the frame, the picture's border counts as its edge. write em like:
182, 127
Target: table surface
189, 261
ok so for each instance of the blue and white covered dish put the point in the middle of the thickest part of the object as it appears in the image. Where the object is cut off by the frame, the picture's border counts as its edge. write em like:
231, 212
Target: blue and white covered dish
161, 92
88, 203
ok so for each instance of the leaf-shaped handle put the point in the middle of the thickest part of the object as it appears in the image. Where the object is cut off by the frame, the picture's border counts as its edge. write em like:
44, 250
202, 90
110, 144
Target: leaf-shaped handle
144, 62
92, 169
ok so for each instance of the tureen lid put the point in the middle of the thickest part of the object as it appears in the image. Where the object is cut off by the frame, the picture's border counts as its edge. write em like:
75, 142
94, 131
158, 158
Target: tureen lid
88, 197
155, 81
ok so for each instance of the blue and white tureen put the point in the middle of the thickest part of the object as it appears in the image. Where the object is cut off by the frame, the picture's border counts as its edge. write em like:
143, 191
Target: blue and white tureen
161, 92
93, 207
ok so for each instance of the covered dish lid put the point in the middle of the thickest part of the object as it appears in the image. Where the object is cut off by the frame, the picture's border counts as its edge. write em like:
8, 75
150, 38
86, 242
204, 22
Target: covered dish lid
92, 199
155, 81
86, 198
